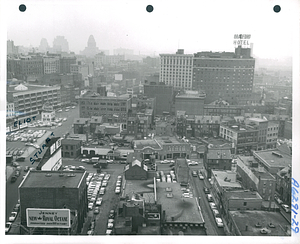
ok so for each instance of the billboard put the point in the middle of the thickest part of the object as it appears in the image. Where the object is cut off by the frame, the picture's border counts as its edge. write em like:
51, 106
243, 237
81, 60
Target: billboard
48, 218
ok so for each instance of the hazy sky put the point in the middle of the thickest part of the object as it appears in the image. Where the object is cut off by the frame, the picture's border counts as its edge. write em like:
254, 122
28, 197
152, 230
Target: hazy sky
198, 25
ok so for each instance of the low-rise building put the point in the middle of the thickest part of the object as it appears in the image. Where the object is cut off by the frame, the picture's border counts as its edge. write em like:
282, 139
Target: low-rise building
223, 181
273, 160
136, 170
283, 184
258, 223
53, 192
217, 158
71, 148
272, 135
244, 138
254, 177
81, 125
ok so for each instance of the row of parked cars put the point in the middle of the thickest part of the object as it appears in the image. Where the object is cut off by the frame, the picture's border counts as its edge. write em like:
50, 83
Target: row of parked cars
12, 217
213, 208
25, 135
198, 173
286, 207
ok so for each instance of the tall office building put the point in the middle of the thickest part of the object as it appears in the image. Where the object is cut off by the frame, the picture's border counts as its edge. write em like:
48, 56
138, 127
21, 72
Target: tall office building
91, 48
44, 47
225, 75
177, 69
60, 44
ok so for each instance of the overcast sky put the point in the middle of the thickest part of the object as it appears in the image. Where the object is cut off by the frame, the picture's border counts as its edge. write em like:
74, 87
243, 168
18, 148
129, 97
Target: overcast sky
199, 25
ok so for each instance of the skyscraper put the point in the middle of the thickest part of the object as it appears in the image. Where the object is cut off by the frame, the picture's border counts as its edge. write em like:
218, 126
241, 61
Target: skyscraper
60, 44
91, 48
44, 47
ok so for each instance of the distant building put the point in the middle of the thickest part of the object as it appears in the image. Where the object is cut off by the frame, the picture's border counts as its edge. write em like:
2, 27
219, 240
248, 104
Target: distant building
91, 49
224, 74
44, 46
176, 70
288, 130
243, 138
51, 65
29, 99
112, 109
60, 44
272, 135
222, 108
164, 95
262, 126
191, 102
81, 125
11, 48
65, 64
10, 110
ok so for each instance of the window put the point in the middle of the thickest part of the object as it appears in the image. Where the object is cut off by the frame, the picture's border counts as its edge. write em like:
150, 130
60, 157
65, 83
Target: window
71, 147
245, 203
67, 147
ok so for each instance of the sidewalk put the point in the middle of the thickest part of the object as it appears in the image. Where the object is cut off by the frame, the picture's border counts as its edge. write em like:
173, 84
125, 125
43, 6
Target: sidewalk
9, 171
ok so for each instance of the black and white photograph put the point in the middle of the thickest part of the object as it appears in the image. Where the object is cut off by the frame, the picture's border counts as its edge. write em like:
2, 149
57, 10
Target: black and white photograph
134, 121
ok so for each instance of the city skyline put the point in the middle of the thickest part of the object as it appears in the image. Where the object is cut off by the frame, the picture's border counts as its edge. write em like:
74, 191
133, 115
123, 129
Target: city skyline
150, 33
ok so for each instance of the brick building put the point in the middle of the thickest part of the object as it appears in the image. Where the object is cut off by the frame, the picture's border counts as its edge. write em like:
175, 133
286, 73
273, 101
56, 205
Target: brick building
54, 190
71, 148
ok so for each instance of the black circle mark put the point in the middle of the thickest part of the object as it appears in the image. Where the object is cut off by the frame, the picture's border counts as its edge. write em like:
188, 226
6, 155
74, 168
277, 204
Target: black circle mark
149, 8
22, 7
277, 8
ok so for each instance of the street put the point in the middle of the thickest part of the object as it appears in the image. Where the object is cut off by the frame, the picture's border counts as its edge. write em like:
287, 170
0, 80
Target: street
12, 188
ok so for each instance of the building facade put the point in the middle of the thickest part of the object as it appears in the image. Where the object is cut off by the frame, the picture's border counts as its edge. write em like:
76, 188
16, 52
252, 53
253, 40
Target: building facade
177, 69
30, 99
224, 75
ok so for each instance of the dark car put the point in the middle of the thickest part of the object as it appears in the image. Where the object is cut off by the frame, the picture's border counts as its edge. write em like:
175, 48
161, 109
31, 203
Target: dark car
172, 164
17, 173
13, 179
26, 168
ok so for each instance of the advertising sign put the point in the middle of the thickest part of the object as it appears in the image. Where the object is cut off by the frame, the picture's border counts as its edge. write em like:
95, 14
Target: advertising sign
48, 218
241, 40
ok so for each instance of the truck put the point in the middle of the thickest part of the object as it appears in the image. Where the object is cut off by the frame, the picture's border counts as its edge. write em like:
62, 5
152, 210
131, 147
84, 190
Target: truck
99, 163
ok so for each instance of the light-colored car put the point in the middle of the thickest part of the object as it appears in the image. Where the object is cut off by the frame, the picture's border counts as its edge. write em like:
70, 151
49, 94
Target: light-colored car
108, 232
12, 216
201, 177
90, 206
64, 119
219, 222
90, 232
286, 208
117, 190
212, 205
7, 227
59, 124
110, 225
216, 213
209, 198
192, 163
104, 183
99, 201
118, 183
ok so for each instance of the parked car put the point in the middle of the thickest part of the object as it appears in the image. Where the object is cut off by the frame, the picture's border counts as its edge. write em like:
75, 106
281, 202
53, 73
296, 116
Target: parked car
97, 210
99, 201
117, 190
209, 198
12, 216
16, 207
194, 173
201, 177
108, 232
90, 206
192, 163
111, 214
7, 227
286, 208
219, 222
13, 179
212, 205
90, 232
216, 213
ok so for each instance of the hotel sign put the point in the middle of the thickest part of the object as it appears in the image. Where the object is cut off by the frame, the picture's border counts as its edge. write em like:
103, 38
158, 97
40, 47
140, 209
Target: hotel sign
241, 40
48, 218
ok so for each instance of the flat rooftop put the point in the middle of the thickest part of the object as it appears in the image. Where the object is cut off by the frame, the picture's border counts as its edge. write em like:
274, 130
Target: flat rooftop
218, 154
251, 218
178, 209
138, 187
140, 144
52, 179
242, 194
270, 160
220, 176
31, 88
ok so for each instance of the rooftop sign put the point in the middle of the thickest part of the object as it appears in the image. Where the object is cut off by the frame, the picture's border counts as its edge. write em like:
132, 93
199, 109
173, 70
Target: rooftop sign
241, 40
48, 218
